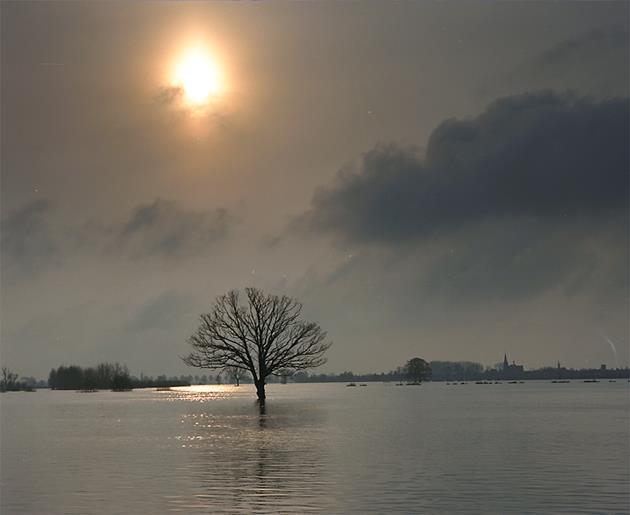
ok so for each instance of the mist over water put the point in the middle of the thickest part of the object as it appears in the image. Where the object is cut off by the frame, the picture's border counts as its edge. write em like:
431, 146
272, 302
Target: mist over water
509, 448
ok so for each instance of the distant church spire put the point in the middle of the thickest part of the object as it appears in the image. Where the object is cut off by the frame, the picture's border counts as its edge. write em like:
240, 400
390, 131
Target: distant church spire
505, 361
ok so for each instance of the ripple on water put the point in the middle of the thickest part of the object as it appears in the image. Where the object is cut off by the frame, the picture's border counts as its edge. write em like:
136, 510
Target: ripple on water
319, 448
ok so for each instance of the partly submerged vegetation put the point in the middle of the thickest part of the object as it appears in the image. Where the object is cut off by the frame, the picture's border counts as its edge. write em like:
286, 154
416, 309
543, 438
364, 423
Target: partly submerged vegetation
11, 382
105, 376
113, 376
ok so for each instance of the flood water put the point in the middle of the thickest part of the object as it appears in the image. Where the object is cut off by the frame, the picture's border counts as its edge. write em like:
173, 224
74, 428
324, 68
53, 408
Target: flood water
509, 448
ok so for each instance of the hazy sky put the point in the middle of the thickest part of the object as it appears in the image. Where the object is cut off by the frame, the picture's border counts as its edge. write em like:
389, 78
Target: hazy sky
446, 180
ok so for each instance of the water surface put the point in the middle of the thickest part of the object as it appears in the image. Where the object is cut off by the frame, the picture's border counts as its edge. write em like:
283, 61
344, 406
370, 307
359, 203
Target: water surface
509, 448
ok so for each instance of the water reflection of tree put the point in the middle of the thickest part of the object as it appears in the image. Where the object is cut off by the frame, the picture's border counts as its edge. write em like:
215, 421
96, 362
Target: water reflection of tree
268, 458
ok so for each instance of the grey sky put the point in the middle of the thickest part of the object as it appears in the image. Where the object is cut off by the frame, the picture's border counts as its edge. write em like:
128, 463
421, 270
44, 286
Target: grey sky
418, 174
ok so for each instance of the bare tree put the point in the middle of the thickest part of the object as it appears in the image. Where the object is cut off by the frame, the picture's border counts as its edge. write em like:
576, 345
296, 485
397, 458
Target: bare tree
8, 381
262, 337
235, 374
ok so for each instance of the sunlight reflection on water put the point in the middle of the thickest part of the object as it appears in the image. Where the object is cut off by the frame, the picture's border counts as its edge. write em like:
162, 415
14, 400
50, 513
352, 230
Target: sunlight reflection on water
209, 449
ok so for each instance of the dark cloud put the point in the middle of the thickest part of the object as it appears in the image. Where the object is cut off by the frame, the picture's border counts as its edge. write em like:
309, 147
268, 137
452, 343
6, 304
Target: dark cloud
593, 62
598, 42
542, 155
27, 240
162, 228
529, 195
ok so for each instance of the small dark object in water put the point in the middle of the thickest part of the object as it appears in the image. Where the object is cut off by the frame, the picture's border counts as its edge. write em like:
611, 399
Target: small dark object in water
351, 384
363, 384
513, 382
163, 389
591, 381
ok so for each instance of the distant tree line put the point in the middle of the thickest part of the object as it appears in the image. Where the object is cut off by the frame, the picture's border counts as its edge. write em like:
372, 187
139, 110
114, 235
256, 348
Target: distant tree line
456, 370
571, 373
161, 381
116, 376
106, 376
498, 372
229, 375
110, 376
11, 382
415, 370
465, 371
348, 376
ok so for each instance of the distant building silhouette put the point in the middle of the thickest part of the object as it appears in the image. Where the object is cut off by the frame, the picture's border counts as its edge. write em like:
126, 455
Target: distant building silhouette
512, 371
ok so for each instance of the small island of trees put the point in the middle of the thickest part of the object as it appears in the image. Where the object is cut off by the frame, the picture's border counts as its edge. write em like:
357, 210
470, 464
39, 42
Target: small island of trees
417, 370
11, 382
110, 376
105, 376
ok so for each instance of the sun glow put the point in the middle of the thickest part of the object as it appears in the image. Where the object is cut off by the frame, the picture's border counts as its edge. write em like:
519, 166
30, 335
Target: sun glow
199, 77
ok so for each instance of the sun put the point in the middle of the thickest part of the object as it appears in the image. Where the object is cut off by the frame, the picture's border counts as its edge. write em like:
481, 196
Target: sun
198, 76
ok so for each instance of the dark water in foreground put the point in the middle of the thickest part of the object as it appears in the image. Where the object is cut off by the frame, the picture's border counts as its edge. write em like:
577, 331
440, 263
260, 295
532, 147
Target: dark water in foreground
526, 448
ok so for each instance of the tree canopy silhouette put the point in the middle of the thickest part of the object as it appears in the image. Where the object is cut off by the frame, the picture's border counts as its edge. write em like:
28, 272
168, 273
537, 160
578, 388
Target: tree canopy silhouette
264, 336
417, 370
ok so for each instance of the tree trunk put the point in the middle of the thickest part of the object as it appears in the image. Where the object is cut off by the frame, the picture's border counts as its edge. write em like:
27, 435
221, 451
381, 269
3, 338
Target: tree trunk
260, 390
